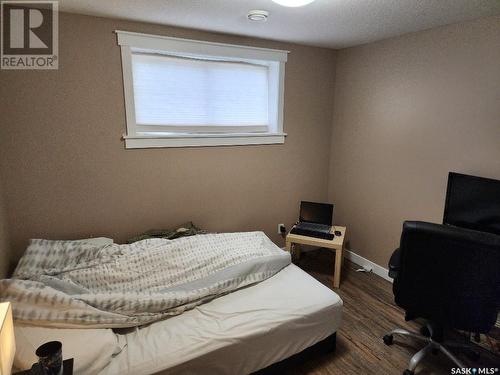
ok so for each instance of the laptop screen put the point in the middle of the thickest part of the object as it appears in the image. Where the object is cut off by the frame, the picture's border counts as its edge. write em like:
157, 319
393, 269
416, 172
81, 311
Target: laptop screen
319, 213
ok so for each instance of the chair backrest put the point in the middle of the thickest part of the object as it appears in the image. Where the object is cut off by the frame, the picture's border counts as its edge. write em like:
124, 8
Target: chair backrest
449, 275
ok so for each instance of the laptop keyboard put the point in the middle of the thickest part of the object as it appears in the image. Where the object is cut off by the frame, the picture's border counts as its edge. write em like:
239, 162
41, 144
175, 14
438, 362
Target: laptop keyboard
314, 227
312, 233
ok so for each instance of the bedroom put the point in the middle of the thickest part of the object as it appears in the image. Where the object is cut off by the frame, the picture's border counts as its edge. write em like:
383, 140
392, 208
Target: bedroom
370, 106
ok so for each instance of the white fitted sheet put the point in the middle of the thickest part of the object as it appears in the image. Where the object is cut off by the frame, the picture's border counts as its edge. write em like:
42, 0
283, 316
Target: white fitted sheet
239, 333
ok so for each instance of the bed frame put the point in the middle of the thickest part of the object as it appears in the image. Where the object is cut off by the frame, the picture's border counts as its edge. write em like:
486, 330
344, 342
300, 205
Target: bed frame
322, 347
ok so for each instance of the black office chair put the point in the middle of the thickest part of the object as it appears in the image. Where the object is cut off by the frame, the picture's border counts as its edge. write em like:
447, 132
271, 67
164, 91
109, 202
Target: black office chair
449, 276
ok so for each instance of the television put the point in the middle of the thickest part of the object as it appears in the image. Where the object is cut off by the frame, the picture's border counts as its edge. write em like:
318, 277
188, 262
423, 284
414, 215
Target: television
473, 202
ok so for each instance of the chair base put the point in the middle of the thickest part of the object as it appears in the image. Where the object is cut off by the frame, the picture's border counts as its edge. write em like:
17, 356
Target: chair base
432, 346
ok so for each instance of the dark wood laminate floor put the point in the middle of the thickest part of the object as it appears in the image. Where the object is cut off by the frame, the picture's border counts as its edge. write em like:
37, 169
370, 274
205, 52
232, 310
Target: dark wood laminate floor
369, 313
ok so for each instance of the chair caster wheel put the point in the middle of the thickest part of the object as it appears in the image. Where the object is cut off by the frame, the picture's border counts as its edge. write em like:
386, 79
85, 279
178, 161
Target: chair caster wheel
388, 339
408, 372
424, 331
473, 355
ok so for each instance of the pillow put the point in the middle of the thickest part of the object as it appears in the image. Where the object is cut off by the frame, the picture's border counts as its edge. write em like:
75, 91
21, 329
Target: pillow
92, 349
55, 256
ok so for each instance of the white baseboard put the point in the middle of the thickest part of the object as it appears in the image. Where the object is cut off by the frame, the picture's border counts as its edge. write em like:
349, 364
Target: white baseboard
376, 269
359, 260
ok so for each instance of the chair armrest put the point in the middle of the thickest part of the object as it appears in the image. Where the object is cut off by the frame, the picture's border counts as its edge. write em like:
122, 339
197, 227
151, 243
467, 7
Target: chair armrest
394, 263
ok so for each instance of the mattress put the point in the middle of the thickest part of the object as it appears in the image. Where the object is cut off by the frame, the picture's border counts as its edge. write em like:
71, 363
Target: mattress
238, 333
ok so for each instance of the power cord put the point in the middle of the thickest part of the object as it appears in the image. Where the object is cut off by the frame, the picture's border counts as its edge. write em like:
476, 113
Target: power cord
366, 269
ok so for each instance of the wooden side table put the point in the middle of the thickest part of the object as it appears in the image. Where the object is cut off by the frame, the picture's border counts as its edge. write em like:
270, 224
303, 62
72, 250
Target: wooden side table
337, 244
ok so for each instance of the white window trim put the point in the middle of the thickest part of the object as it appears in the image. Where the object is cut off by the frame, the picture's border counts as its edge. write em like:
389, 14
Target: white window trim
131, 41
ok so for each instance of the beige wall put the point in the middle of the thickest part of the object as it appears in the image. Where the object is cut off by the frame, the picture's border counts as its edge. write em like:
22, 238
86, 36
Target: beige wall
408, 110
67, 175
4, 238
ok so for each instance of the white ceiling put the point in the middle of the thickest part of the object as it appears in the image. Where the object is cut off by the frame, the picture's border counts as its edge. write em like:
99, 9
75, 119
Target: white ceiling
326, 23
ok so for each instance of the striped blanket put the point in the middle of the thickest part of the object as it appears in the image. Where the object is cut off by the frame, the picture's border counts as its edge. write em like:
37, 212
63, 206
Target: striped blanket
78, 284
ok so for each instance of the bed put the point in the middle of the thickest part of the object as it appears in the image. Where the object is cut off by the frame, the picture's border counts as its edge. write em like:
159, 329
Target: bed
237, 333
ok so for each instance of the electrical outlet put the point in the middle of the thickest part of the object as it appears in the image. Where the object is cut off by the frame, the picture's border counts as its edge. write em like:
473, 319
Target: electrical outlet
281, 229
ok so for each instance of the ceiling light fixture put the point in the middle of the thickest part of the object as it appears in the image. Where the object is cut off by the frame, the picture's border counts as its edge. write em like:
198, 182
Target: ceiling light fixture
293, 3
258, 15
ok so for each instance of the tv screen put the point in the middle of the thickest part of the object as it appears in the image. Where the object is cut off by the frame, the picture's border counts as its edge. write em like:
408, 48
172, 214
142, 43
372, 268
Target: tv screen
473, 203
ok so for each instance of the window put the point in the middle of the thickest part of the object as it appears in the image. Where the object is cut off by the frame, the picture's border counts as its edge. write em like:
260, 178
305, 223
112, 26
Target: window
181, 92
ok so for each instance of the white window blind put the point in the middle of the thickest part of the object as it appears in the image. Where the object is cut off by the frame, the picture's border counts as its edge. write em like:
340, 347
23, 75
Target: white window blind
181, 94
191, 93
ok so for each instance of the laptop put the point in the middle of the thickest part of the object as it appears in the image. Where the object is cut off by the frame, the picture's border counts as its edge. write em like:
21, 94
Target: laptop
315, 220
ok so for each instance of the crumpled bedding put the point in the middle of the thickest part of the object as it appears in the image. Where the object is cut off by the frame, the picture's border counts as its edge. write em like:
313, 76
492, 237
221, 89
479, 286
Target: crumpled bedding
69, 284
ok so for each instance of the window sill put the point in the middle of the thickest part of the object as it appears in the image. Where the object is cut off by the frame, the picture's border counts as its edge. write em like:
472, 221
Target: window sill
201, 140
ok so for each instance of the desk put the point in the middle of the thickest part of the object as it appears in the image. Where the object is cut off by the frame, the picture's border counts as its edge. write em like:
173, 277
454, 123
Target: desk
337, 244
